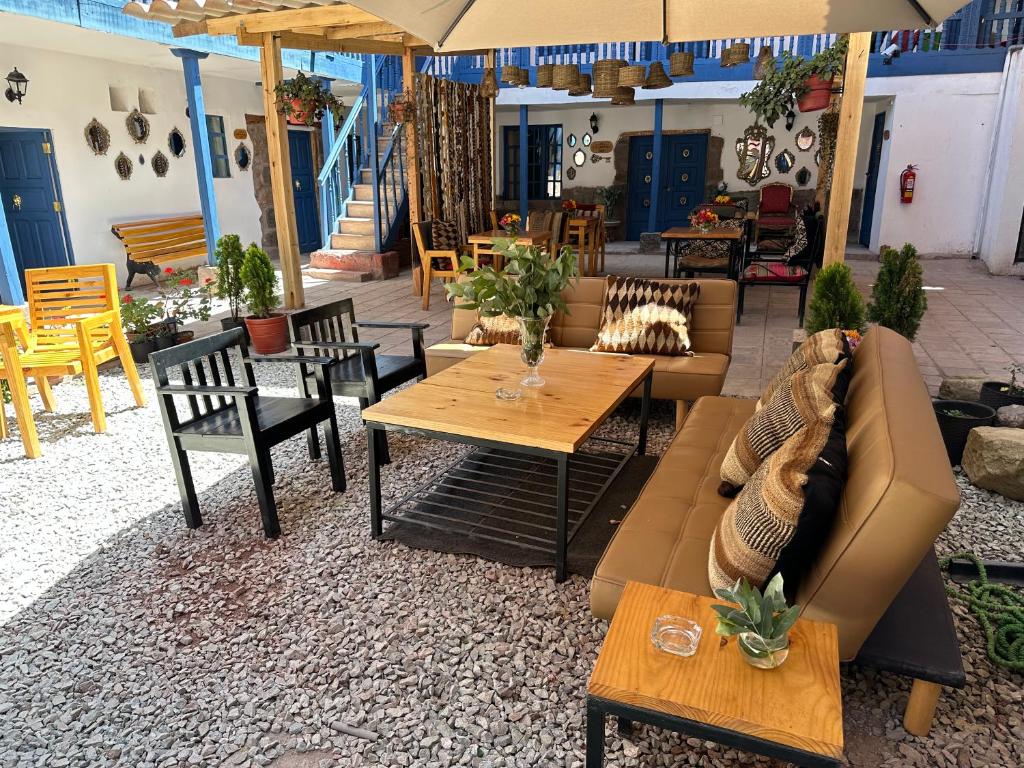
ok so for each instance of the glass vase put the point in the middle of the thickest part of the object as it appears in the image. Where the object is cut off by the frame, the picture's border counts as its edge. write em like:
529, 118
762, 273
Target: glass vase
763, 653
532, 332
512, 231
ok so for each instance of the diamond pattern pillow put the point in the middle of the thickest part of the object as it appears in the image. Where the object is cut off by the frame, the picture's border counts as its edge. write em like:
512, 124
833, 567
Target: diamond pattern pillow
445, 236
646, 317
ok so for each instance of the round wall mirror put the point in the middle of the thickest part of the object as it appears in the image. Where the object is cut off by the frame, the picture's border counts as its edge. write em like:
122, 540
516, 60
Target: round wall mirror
805, 139
97, 137
571, 141
243, 159
138, 126
817, 157
579, 157
123, 166
570, 173
176, 143
586, 139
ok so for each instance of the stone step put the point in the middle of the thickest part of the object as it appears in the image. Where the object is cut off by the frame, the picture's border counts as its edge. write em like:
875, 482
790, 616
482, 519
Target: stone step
355, 226
352, 242
362, 192
358, 209
352, 265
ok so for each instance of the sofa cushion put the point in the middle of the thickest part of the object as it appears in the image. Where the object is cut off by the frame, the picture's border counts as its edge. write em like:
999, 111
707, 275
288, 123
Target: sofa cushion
445, 235
828, 346
806, 396
773, 272
493, 330
763, 518
646, 317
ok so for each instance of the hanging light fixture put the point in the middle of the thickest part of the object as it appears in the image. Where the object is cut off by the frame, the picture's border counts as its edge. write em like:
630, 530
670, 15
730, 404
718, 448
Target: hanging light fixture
17, 86
593, 122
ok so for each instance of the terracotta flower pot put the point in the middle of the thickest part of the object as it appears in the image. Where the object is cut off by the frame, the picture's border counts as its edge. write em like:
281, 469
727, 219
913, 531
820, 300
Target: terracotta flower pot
269, 335
298, 115
817, 96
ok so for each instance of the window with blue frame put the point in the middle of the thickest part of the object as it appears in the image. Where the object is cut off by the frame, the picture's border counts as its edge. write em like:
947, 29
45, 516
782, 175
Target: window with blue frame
543, 162
219, 160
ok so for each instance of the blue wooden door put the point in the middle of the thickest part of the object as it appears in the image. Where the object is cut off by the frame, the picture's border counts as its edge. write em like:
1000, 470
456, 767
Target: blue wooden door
867, 215
31, 200
683, 169
304, 190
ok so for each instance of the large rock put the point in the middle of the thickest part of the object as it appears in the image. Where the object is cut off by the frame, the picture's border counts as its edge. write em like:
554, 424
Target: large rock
961, 388
994, 460
1010, 416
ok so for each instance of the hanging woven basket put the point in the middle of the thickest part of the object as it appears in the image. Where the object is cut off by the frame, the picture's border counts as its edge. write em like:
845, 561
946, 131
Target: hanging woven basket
632, 75
565, 76
681, 64
582, 87
606, 77
522, 78
765, 63
510, 74
545, 72
489, 83
656, 77
624, 96
736, 54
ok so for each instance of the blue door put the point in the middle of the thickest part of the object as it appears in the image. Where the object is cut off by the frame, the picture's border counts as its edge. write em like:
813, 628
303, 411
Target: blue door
871, 183
31, 199
304, 190
683, 168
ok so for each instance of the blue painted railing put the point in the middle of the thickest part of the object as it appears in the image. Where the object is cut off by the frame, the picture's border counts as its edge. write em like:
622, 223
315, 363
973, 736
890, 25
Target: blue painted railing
356, 149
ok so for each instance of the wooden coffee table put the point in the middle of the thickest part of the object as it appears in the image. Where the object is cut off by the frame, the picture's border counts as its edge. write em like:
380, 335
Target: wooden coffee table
676, 237
792, 713
530, 453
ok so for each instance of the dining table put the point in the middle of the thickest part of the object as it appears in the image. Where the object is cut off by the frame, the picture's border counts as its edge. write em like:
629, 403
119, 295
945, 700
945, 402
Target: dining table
483, 243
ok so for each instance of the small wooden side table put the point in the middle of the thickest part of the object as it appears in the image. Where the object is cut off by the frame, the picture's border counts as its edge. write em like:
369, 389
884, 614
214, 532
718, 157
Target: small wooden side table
792, 713
676, 237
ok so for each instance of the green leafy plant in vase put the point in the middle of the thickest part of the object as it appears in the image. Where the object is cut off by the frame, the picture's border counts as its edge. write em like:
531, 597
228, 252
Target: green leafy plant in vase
267, 330
761, 623
528, 289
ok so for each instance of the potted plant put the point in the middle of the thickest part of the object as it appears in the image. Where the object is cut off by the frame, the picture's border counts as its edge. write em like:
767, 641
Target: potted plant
402, 108
609, 197
142, 321
184, 299
1000, 393
956, 420
528, 289
897, 297
806, 82
761, 623
836, 302
267, 330
230, 255
510, 223
303, 101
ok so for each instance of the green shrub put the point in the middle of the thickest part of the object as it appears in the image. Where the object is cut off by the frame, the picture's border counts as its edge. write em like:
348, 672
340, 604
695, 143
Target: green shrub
260, 281
229, 265
836, 302
897, 298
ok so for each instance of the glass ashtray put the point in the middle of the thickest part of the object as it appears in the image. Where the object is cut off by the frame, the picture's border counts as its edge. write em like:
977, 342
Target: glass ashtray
508, 394
676, 635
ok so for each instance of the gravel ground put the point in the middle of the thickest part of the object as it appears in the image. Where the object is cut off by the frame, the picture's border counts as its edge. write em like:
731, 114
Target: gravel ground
126, 639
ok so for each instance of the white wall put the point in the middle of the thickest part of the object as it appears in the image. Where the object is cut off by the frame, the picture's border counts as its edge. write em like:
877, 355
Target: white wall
66, 91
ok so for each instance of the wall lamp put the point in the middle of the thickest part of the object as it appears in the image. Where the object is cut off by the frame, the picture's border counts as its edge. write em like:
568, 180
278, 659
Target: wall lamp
593, 122
17, 86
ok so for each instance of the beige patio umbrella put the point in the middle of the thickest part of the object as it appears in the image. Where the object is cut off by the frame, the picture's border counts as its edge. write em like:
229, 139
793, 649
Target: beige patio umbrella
462, 25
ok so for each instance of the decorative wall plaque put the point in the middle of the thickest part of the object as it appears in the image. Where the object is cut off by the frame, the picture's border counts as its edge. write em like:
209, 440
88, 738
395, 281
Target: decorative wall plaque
123, 166
570, 173
97, 137
241, 134
601, 147
138, 126
754, 151
160, 164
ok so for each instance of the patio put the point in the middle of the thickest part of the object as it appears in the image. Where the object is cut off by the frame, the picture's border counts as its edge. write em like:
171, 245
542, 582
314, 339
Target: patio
131, 640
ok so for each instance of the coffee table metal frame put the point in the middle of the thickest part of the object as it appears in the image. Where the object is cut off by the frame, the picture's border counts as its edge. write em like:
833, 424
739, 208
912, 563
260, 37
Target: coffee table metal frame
563, 535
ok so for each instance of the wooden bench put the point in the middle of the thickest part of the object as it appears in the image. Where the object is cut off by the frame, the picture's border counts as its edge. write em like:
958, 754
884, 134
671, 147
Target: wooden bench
152, 242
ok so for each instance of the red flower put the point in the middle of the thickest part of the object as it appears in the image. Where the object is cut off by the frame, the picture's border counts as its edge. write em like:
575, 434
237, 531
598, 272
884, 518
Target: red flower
168, 271
128, 299
184, 281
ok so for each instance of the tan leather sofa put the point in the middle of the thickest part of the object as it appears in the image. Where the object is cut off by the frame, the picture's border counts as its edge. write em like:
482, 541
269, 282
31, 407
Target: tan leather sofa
899, 496
675, 378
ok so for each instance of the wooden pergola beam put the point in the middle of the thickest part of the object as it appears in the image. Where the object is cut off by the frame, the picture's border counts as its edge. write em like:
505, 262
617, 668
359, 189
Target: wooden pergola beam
845, 158
313, 43
369, 29
285, 21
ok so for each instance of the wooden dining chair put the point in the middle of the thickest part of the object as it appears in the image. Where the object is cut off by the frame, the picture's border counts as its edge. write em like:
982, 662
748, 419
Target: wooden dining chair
14, 341
580, 233
435, 262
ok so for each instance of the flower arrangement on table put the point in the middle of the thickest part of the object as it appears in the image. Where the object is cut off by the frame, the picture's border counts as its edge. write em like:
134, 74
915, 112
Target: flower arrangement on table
723, 200
569, 205
510, 223
703, 219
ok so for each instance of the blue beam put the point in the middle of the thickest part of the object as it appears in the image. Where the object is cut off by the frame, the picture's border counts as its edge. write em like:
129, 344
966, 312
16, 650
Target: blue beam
652, 214
201, 146
371, 139
327, 121
524, 151
10, 282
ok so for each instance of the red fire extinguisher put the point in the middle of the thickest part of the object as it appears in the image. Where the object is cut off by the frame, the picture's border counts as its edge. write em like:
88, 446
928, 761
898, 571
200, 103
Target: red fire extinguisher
907, 180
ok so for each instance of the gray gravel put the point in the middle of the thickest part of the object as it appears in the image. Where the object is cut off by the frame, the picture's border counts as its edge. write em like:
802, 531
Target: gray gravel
126, 639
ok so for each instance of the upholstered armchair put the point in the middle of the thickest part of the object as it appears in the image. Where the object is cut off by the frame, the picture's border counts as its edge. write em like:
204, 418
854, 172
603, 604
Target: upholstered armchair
776, 214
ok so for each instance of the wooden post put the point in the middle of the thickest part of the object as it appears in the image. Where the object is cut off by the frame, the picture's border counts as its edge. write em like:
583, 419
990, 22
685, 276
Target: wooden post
281, 174
524, 152
412, 163
920, 711
490, 60
845, 161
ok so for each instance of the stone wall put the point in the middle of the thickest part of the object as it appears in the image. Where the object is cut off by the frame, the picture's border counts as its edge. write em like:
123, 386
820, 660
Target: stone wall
261, 182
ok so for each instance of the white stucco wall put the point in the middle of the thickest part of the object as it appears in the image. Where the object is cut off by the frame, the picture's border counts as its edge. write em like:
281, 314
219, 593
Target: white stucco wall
67, 91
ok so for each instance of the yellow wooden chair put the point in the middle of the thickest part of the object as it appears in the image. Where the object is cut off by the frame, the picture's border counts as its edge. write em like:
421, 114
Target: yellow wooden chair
75, 326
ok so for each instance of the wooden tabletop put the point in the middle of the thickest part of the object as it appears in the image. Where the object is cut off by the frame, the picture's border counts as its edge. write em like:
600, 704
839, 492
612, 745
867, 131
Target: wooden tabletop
523, 238
690, 233
582, 389
799, 704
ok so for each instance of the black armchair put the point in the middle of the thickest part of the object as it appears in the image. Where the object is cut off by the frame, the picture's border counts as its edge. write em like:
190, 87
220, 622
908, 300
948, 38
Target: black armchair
332, 331
227, 418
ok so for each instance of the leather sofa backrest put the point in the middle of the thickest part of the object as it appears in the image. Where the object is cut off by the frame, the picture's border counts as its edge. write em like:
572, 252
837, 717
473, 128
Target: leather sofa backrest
899, 495
714, 315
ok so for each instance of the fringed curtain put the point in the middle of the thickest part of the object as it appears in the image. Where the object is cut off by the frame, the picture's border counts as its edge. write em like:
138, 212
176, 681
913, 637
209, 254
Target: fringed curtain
453, 132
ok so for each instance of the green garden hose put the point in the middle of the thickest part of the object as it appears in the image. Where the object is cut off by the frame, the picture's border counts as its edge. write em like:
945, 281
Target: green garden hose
999, 610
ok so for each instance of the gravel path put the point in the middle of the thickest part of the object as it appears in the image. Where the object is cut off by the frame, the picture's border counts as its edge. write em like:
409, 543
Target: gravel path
126, 639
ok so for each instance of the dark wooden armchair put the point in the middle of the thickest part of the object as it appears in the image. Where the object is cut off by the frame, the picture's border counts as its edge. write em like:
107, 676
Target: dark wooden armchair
225, 417
332, 331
